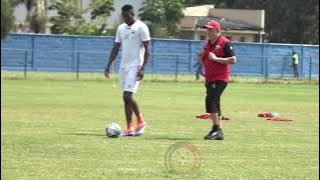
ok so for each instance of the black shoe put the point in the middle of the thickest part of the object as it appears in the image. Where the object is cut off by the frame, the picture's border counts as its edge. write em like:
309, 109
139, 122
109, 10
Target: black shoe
210, 132
215, 135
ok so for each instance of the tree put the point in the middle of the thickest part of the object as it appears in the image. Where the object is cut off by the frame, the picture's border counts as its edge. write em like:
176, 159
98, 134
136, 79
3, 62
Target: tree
152, 13
162, 13
38, 19
286, 21
36, 14
101, 8
29, 5
16, 2
7, 19
173, 15
100, 11
70, 18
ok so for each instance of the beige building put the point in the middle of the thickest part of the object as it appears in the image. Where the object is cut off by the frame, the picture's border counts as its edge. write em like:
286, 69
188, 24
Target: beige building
238, 25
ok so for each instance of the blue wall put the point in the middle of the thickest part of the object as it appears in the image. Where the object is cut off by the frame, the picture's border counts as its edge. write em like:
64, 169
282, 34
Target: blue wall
90, 54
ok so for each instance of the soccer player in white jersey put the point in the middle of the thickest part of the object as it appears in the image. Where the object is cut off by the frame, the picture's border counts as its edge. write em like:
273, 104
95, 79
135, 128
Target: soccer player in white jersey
133, 35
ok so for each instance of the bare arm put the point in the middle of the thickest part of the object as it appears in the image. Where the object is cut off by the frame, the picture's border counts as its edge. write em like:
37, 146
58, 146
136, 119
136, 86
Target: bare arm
145, 60
112, 57
200, 57
226, 60
146, 54
230, 55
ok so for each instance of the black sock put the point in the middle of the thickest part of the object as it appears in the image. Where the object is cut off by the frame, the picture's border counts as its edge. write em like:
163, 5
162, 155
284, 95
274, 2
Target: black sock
216, 127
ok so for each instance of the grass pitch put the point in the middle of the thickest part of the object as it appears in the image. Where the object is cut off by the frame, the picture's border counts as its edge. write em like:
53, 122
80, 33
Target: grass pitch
54, 129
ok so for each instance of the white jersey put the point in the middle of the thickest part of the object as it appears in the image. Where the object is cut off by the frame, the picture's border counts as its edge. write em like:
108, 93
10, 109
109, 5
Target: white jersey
131, 38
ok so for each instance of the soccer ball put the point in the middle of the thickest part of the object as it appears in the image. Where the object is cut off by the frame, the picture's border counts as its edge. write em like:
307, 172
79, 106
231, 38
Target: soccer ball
113, 130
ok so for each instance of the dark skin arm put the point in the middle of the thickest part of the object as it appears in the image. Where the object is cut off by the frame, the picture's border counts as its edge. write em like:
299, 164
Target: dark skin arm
145, 61
112, 57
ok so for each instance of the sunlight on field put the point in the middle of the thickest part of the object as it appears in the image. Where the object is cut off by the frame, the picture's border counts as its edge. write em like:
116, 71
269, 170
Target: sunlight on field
54, 129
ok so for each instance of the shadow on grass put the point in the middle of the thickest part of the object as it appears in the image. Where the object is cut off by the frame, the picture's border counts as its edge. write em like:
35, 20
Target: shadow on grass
144, 137
81, 134
169, 138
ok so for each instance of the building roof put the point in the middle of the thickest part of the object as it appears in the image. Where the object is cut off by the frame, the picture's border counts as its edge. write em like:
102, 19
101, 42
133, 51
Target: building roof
202, 10
197, 16
227, 24
188, 22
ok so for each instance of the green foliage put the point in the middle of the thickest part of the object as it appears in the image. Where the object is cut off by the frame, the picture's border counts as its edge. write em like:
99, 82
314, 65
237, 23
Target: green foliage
70, 18
29, 4
100, 11
109, 32
101, 8
16, 2
292, 21
173, 15
7, 19
152, 11
163, 13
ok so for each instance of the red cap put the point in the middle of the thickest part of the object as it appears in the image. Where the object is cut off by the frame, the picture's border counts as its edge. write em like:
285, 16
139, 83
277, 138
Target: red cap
213, 25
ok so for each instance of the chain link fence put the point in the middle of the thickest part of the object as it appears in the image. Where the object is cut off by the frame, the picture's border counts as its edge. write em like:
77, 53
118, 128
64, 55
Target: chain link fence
168, 66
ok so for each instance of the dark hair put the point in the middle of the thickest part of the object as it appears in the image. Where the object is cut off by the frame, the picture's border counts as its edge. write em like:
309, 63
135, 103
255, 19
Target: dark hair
127, 7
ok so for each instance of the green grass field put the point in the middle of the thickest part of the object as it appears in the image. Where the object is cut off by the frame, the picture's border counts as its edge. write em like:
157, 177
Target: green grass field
54, 129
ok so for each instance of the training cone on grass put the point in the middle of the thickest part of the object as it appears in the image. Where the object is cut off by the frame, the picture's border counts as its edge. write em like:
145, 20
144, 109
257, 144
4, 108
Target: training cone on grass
268, 114
272, 116
278, 119
208, 116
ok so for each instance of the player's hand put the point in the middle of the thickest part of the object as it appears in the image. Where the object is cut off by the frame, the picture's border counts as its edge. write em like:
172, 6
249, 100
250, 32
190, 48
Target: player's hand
106, 72
201, 53
140, 74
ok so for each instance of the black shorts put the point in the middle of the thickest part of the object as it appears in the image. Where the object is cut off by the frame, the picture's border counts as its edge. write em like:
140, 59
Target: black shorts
214, 91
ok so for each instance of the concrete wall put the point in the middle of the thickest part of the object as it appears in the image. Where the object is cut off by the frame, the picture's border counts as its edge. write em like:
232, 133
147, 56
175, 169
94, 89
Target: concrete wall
90, 54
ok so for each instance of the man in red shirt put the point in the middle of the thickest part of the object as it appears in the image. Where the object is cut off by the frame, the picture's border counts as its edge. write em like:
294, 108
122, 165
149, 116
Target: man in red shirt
216, 57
